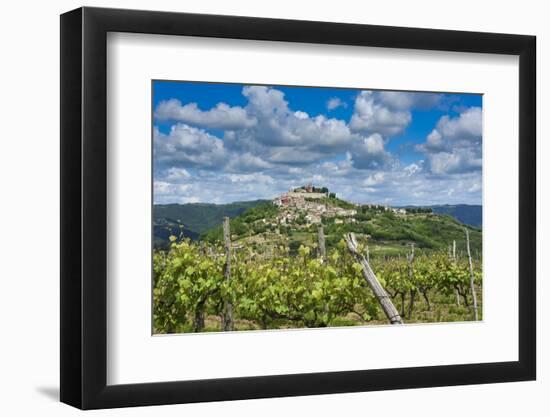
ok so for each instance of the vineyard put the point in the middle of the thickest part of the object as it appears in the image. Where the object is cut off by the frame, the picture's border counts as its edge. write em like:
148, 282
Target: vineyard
216, 286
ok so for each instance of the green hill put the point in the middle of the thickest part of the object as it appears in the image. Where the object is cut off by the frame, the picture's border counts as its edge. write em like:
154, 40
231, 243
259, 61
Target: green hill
191, 220
260, 223
388, 231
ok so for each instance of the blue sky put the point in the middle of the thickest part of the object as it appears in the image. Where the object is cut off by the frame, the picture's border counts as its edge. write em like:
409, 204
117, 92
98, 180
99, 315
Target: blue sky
220, 143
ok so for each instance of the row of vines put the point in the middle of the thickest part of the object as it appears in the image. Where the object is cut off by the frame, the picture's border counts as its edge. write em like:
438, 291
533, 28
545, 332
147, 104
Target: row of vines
307, 290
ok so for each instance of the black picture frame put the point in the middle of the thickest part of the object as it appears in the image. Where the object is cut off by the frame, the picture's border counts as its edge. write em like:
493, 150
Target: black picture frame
84, 207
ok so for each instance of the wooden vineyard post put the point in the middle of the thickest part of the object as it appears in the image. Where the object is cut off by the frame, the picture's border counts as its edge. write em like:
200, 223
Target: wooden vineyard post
410, 258
322, 247
227, 317
381, 295
454, 260
472, 286
323, 255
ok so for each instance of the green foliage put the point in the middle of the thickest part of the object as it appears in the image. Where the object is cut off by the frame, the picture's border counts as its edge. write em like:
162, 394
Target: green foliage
333, 201
437, 272
192, 220
301, 219
300, 291
187, 282
291, 287
251, 221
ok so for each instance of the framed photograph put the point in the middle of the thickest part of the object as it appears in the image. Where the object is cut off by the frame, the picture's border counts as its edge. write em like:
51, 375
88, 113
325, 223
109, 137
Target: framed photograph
257, 208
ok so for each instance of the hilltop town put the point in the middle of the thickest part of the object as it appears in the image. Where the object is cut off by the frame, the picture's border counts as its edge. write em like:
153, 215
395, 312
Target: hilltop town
315, 204
312, 204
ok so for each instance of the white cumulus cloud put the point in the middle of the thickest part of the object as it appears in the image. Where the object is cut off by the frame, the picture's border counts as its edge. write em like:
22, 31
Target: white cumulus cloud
371, 116
456, 161
400, 100
369, 153
188, 146
455, 144
222, 116
374, 179
335, 102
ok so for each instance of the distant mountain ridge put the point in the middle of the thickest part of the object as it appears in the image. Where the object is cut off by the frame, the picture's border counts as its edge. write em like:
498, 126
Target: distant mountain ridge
471, 215
192, 219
